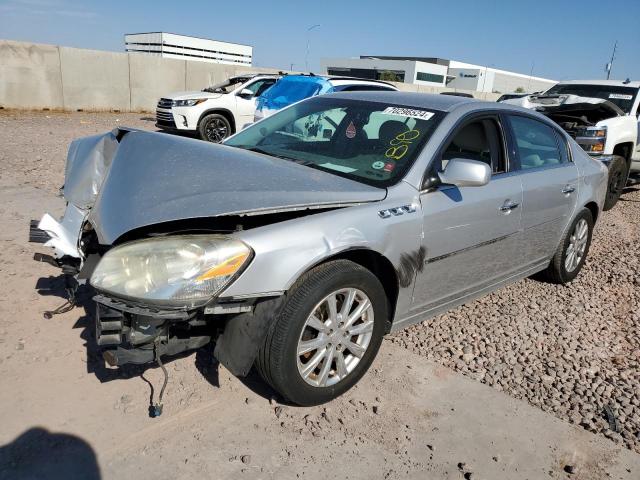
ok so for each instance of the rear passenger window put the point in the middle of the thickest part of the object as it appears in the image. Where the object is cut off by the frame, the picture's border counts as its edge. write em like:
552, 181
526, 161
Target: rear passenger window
536, 143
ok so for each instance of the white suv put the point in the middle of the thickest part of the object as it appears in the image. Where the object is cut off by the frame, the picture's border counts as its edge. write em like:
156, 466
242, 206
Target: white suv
217, 111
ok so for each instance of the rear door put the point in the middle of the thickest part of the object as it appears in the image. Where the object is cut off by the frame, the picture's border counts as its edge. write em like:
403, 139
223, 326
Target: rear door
471, 234
549, 183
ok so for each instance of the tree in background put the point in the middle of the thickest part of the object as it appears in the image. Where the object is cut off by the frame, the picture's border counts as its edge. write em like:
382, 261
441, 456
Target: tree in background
389, 76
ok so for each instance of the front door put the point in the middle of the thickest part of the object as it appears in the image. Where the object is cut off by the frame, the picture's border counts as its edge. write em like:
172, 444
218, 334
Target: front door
246, 105
470, 234
549, 183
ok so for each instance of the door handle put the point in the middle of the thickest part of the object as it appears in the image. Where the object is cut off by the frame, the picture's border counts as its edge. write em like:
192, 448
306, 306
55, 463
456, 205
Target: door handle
508, 206
568, 189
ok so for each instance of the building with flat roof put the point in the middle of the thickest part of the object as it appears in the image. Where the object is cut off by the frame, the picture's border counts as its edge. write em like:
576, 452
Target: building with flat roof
183, 47
436, 72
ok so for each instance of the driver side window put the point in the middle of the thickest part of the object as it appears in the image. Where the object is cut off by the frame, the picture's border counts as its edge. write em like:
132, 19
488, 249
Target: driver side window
478, 140
260, 86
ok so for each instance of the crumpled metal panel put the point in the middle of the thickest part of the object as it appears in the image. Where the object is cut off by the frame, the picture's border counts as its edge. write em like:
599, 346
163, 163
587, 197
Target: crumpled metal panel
88, 161
155, 178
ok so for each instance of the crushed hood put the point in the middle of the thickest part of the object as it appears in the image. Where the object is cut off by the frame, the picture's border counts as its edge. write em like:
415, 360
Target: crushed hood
133, 179
568, 103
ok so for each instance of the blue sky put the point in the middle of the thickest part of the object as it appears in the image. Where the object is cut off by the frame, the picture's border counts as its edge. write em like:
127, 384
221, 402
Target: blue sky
562, 39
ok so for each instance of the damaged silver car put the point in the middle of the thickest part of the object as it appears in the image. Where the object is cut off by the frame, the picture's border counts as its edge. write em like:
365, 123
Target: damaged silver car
301, 241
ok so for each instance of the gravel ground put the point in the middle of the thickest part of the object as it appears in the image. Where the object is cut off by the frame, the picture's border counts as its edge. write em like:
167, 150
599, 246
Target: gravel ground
573, 351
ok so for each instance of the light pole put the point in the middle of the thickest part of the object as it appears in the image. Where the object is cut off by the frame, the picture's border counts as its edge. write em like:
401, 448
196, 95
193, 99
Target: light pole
306, 55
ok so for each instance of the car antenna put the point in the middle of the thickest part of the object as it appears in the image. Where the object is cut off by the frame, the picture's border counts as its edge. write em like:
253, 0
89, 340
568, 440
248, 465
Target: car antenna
627, 81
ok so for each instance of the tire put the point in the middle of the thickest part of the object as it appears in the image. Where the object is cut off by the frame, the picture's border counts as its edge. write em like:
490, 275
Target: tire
618, 173
214, 128
278, 361
558, 271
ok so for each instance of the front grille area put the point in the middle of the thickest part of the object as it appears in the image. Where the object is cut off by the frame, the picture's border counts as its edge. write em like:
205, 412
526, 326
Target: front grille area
165, 103
164, 119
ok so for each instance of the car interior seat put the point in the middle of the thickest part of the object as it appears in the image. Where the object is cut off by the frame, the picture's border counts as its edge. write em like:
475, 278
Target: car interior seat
470, 143
389, 130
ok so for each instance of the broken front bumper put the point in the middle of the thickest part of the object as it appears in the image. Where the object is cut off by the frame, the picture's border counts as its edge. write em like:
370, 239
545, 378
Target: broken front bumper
132, 334
64, 235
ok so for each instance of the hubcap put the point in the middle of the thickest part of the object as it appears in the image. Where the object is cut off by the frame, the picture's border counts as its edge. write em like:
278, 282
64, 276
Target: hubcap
335, 337
216, 130
577, 245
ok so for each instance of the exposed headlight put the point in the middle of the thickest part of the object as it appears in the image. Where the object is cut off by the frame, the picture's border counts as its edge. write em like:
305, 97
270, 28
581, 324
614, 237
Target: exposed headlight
181, 271
592, 139
187, 103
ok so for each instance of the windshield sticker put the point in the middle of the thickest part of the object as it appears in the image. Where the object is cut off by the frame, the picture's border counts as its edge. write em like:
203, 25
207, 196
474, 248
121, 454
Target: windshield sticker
351, 130
400, 144
389, 166
377, 165
337, 168
620, 96
408, 112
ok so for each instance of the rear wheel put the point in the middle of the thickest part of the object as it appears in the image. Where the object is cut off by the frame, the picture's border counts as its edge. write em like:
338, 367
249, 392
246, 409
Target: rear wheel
618, 173
327, 335
572, 251
214, 128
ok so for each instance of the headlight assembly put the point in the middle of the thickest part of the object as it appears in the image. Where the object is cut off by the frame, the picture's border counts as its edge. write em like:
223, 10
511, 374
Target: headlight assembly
179, 271
188, 103
592, 139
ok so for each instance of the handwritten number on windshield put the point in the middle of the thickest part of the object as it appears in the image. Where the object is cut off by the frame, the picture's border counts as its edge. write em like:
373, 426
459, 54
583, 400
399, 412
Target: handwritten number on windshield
400, 144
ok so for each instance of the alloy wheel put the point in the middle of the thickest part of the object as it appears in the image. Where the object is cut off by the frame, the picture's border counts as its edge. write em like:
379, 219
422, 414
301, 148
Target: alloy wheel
216, 130
577, 245
335, 337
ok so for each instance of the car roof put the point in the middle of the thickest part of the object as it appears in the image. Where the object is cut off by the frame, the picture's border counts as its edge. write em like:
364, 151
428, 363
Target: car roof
445, 103
253, 75
616, 83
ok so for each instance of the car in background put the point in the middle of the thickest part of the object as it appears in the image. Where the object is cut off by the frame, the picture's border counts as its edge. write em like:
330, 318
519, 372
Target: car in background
511, 96
458, 94
603, 116
216, 112
299, 242
293, 88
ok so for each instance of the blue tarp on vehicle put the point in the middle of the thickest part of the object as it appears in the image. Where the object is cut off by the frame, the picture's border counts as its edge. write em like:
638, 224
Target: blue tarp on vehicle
291, 89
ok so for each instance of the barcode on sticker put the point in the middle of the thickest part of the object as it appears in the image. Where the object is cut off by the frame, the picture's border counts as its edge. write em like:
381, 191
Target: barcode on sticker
408, 112
620, 96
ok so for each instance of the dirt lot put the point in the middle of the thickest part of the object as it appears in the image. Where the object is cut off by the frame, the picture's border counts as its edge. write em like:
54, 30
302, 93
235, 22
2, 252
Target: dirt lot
573, 352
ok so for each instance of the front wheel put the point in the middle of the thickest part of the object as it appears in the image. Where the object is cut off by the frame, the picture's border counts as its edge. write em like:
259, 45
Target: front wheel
327, 334
618, 173
214, 128
572, 251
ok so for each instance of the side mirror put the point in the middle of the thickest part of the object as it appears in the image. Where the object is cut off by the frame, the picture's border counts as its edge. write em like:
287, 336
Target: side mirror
245, 93
462, 172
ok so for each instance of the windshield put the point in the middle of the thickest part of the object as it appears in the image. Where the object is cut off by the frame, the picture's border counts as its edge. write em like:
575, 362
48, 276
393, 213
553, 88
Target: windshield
373, 143
620, 96
226, 86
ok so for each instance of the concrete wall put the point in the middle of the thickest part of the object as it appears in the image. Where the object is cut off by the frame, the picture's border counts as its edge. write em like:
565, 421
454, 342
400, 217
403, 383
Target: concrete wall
94, 80
34, 76
152, 77
30, 76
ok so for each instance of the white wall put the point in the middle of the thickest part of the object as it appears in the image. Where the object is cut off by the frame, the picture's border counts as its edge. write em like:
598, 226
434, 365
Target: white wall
190, 48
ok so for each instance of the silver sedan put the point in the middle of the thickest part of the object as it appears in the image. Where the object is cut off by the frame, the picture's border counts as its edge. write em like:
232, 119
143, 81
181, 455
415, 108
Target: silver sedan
305, 238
